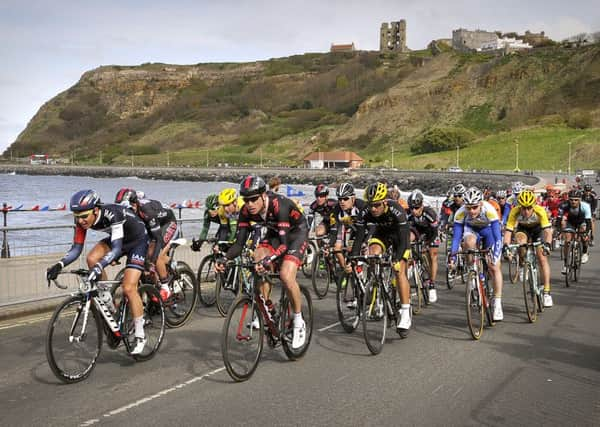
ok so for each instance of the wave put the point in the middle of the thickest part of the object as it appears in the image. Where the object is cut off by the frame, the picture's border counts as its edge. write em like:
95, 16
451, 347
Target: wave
132, 177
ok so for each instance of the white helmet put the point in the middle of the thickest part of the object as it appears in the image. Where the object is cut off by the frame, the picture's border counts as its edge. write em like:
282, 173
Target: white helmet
517, 187
473, 196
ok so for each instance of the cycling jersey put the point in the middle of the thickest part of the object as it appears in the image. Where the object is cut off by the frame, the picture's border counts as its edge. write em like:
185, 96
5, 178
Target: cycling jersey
286, 228
553, 204
485, 226
575, 215
511, 201
127, 235
391, 228
591, 199
538, 218
425, 224
447, 211
160, 222
324, 211
341, 219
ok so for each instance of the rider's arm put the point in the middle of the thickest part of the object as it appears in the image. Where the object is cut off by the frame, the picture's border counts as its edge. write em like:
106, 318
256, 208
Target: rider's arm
205, 226
241, 236
456, 236
359, 233
233, 224
76, 248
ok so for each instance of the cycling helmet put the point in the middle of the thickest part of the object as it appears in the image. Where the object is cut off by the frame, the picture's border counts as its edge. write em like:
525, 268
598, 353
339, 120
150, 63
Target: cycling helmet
473, 196
459, 189
140, 194
212, 201
227, 196
526, 198
84, 200
345, 190
574, 194
501, 194
517, 187
126, 196
376, 192
321, 190
252, 185
415, 199
587, 187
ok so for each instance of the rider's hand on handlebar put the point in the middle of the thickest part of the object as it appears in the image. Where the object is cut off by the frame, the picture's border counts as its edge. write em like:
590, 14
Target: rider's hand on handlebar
52, 272
196, 245
95, 273
546, 248
220, 264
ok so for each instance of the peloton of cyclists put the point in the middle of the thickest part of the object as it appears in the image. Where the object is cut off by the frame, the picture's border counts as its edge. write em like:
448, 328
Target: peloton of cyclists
127, 236
576, 217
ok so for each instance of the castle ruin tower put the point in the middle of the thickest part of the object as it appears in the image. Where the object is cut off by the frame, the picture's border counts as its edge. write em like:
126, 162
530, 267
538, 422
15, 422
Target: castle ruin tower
392, 37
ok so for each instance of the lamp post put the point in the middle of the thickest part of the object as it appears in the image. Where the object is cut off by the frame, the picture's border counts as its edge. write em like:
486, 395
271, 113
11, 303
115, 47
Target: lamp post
569, 168
516, 155
392, 157
457, 155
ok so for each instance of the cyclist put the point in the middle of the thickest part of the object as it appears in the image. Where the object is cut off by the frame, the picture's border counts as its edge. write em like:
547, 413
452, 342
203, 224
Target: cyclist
477, 222
391, 229
228, 212
127, 235
511, 201
161, 226
285, 241
342, 220
211, 214
529, 222
423, 222
576, 216
322, 206
589, 196
501, 199
451, 205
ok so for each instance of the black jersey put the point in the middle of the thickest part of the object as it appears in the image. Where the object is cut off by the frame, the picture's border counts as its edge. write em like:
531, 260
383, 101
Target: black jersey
426, 223
340, 219
122, 225
591, 199
325, 209
156, 215
392, 222
283, 218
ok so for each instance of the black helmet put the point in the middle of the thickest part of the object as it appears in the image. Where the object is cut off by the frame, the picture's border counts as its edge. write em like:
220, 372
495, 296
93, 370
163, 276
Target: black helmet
126, 196
575, 194
252, 185
321, 190
415, 200
345, 190
84, 200
587, 187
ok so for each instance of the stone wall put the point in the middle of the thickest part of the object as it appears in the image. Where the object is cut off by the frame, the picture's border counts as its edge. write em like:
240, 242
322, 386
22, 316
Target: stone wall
465, 40
392, 37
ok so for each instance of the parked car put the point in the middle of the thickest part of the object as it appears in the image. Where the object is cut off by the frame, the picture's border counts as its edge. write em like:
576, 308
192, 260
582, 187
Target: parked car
454, 169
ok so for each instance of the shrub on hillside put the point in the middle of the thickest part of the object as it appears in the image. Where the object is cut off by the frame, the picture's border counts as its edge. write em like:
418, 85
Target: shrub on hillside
442, 139
579, 120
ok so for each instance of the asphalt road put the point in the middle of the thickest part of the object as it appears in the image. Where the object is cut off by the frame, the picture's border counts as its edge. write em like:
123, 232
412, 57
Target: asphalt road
547, 373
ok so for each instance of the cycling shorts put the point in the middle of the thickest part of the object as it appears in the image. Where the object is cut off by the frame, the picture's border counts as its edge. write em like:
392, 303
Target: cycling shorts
135, 250
485, 237
297, 243
385, 239
534, 234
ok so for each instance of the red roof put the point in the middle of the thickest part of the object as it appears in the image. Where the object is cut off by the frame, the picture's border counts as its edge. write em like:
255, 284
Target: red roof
334, 156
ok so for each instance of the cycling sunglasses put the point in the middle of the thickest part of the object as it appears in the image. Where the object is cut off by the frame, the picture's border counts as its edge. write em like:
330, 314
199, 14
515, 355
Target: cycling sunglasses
251, 199
345, 199
376, 205
83, 214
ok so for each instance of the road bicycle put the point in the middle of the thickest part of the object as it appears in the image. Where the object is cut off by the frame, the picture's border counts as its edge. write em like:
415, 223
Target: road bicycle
418, 276
379, 304
514, 264
458, 270
230, 283
478, 292
574, 251
349, 296
183, 287
251, 319
533, 291
323, 273
77, 326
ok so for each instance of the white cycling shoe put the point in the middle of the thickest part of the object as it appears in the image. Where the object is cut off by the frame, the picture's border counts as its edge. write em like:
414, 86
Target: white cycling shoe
140, 343
432, 295
299, 335
547, 300
584, 258
498, 314
404, 323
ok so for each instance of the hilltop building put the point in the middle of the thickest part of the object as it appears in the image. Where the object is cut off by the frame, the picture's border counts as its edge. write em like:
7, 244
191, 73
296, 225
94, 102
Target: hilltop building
342, 47
392, 37
486, 41
333, 160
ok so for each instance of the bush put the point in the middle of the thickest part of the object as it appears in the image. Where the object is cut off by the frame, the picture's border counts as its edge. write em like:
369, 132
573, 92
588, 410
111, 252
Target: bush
442, 139
579, 120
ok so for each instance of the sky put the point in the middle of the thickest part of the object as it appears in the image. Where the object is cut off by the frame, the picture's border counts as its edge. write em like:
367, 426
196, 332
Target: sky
45, 46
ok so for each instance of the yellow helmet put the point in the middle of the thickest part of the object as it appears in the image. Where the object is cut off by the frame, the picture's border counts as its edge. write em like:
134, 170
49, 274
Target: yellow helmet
376, 192
526, 198
227, 196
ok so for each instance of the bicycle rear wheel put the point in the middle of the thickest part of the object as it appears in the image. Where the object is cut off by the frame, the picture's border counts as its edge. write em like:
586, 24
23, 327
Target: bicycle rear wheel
475, 309
321, 276
241, 343
287, 324
226, 292
154, 323
571, 275
375, 317
451, 274
347, 302
72, 348
529, 294
184, 296
207, 285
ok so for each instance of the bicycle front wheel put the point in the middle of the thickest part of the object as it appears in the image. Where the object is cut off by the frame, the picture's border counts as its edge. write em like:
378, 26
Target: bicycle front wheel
347, 302
73, 340
242, 339
226, 292
417, 300
451, 274
321, 276
207, 285
375, 317
310, 257
287, 325
184, 296
529, 294
154, 323
513, 268
474, 301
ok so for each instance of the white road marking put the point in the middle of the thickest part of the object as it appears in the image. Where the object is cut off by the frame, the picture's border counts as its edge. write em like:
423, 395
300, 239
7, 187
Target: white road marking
437, 389
150, 398
328, 327
457, 391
